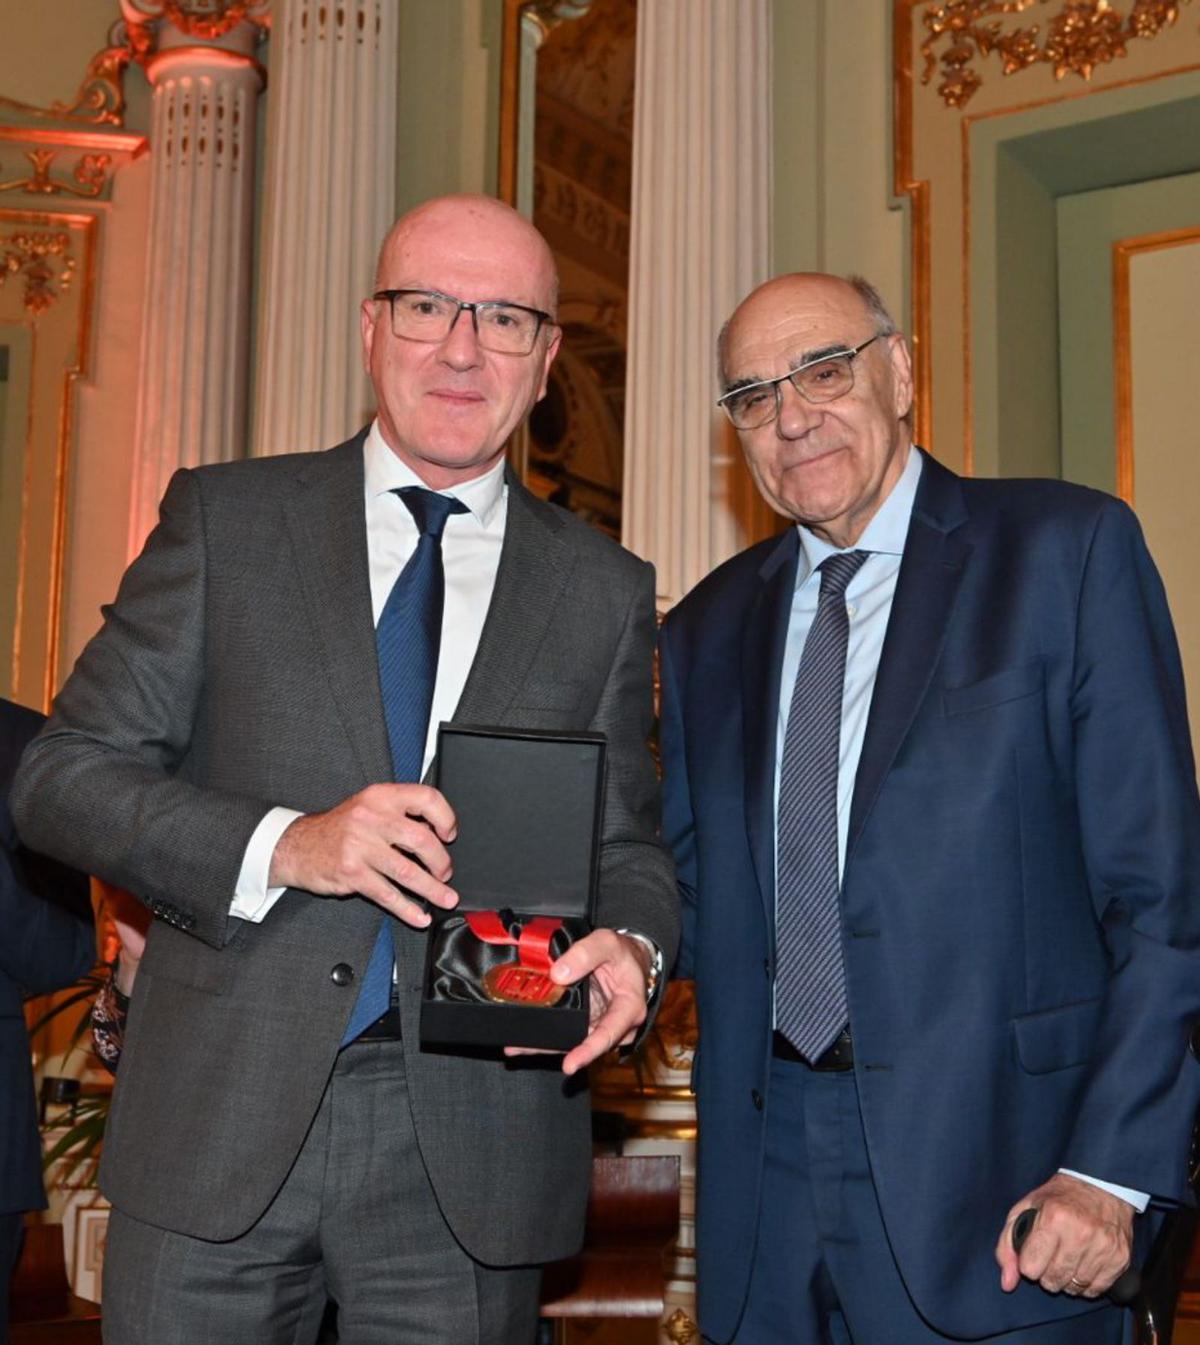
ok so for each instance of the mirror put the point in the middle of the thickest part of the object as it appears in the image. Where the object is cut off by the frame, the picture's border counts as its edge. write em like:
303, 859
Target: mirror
566, 160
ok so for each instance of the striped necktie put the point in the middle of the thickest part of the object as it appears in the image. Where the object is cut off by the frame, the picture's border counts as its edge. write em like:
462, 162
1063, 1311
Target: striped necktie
810, 1003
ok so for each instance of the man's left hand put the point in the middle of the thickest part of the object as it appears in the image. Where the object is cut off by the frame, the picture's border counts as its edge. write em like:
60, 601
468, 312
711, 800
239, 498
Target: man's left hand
620, 970
1081, 1241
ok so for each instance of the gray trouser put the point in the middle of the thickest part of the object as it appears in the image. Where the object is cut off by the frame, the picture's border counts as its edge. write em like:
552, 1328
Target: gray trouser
355, 1221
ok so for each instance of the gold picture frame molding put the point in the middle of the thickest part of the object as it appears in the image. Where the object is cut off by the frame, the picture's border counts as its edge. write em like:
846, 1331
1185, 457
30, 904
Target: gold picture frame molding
1123, 252
61, 333
918, 191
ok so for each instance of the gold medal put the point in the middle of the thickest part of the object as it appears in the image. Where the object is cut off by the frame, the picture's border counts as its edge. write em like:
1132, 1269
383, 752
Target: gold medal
512, 983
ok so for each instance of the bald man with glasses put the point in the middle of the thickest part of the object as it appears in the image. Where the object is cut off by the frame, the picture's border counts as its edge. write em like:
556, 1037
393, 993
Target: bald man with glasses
244, 744
933, 806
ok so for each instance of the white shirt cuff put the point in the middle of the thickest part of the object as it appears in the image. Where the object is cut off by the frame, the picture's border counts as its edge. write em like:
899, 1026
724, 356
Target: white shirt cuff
1138, 1199
252, 898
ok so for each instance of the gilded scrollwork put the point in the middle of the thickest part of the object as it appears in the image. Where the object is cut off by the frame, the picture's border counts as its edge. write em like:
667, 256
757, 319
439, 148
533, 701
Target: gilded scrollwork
43, 260
672, 1040
88, 180
100, 98
205, 19
680, 1329
1081, 35
202, 20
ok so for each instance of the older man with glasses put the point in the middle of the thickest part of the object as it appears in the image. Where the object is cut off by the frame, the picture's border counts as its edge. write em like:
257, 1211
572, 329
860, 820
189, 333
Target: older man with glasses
932, 801
243, 745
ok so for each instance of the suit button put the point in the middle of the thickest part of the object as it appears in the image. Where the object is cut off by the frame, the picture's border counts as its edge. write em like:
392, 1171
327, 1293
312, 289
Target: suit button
756, 1098
1196, 1041
767, 967
342, 974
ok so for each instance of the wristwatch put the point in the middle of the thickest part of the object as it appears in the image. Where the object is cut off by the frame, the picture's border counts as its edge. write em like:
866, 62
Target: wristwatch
655, 974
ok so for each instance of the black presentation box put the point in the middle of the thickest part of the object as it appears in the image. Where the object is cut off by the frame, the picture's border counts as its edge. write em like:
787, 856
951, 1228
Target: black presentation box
525, 860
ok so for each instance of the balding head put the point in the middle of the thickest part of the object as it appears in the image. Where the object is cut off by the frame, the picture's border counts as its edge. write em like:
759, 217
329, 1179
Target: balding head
447, 406
472, 223
872, 302
826, 461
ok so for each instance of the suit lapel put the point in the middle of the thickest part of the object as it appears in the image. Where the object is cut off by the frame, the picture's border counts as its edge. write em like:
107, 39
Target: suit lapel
536, 563
935, 559
327, 524
763, 641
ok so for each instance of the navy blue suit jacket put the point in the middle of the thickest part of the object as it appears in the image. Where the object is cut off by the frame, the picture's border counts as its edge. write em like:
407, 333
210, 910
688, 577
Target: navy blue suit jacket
46, 942
1021, 894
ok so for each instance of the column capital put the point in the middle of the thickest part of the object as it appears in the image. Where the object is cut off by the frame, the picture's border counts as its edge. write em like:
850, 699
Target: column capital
230, 27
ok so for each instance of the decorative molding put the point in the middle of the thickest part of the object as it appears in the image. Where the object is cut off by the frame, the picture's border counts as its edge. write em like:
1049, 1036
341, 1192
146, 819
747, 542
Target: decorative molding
205, 19
88, 180
100, 98
680, 1329
672, 1043
1150, 16
43, 246
1080, 36
1123, 252
202, 20
42, 257
905, 183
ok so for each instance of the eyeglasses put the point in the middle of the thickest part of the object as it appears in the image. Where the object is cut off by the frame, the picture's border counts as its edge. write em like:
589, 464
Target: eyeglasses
427, 315
821, 380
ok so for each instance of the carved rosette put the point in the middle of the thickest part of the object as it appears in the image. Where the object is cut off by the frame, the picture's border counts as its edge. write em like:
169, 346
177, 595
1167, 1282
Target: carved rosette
1077, 37
42, 258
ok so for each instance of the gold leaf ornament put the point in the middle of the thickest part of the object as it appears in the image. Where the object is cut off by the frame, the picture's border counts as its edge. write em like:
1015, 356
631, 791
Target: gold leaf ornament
1074, 39
42, 259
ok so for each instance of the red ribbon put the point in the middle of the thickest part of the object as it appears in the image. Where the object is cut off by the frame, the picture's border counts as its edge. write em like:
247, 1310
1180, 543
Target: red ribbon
532, 944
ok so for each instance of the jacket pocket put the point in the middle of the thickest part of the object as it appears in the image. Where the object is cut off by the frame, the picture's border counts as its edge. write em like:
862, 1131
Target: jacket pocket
172, 955
1010, 684
1054, 1039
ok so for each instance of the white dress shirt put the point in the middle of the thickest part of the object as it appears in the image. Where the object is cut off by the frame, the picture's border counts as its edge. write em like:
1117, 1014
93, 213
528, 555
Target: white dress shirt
471, 547
869, 605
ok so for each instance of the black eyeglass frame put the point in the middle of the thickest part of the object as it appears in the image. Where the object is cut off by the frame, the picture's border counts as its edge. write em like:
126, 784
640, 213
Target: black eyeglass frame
390, 297
790, 377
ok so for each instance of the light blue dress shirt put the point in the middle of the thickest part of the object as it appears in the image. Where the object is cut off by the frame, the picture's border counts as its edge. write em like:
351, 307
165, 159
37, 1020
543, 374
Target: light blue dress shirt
869, 604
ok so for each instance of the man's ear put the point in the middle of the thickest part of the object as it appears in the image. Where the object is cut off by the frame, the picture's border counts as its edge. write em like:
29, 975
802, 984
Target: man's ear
368, 315
548, 359
902, 375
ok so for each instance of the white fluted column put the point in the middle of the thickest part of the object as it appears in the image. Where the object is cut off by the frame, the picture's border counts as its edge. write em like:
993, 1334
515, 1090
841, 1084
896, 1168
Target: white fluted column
331, 174
700, 217
192, 382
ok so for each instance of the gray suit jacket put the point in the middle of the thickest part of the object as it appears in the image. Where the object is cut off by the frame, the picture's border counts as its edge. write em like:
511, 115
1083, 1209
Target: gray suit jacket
237, 670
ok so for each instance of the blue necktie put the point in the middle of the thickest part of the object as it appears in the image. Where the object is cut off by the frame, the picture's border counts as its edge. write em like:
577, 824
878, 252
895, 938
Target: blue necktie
408, 636
810, 995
